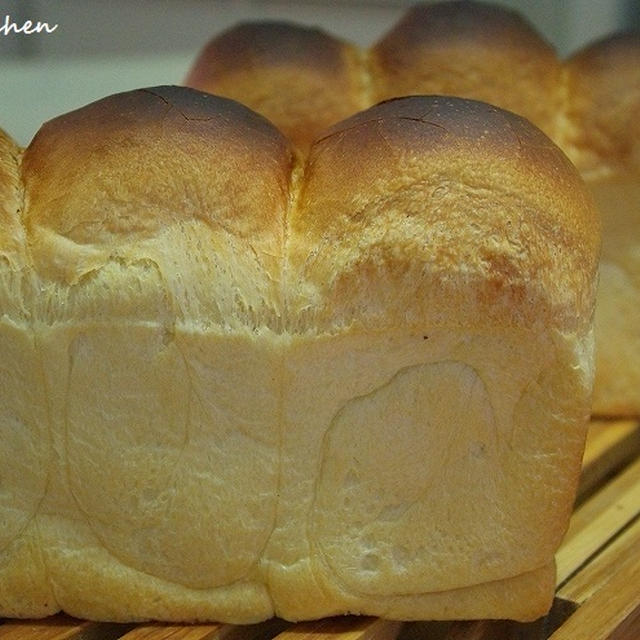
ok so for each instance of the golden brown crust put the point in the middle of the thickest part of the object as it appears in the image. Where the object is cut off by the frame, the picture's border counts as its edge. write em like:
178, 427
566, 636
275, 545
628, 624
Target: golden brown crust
302, 79
604, 104
153, 147
181, 193
127, 168
471, 50
270, 44
415, 190
167, 156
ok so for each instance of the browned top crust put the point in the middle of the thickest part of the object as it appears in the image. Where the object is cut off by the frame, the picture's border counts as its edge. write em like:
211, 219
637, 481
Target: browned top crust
421, 209
302, 79
169, 186
139, 160
482, 23
305, 80
269, 43
604, 103
471, 50
458, 207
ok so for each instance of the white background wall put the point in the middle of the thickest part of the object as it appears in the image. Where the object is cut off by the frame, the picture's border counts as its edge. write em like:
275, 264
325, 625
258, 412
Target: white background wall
101, 47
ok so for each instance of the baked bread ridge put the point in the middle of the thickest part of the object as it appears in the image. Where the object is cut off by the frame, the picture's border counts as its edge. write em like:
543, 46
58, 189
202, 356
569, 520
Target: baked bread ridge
255, 436
150, 174
437, 159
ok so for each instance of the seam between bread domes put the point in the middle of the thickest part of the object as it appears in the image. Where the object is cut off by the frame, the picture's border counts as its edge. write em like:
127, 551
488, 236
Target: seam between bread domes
366, 78
561, 119
295, 189
282, 327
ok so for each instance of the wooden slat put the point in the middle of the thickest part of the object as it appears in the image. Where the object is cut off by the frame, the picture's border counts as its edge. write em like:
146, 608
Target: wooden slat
613, 611
478, 630
418, 630
176, 632
60, 627
507, 629
605, 436
262, 631
610, 446
591, 578
599, 519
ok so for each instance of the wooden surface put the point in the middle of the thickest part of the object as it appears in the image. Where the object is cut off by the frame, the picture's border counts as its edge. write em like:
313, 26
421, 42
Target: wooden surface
597, 597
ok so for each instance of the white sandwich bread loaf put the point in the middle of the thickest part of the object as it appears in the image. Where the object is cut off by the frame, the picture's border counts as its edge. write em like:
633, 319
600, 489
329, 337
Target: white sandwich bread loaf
236, 384
304, 80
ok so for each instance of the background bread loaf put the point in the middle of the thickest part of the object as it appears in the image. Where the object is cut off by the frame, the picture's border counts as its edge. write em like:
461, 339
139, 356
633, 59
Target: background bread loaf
603, 140
302, 79
589, 105
469, 49
472, 50
239, 385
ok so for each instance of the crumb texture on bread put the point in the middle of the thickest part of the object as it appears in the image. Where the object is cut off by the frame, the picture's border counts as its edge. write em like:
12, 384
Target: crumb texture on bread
237, 386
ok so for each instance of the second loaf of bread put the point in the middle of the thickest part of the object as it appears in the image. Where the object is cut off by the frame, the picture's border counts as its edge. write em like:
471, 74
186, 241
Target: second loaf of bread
236, 386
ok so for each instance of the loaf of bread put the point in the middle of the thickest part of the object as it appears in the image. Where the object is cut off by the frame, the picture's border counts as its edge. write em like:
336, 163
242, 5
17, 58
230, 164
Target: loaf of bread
589, 105
303, 80
604, 85
238, 385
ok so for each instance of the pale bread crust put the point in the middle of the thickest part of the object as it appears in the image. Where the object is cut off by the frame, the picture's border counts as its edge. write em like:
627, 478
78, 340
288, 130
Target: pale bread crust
238, 386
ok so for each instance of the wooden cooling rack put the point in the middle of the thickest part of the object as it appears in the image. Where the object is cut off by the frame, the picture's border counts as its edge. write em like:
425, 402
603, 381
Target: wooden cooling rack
597, 597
